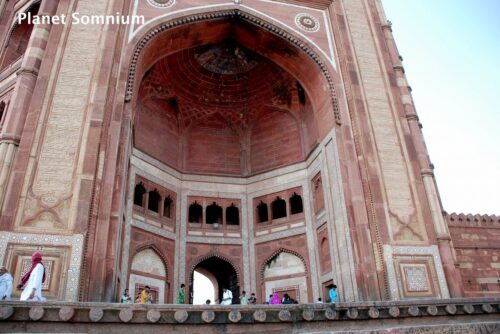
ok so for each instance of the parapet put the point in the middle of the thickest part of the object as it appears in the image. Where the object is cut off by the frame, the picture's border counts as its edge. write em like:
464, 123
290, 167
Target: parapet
471, 315
470, 220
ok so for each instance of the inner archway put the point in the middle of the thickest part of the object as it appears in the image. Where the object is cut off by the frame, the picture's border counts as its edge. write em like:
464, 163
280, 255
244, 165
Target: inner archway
221, 274
228, 99
205, 287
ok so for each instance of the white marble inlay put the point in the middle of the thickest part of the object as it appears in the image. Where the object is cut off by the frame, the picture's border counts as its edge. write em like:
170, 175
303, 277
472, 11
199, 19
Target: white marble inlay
432, 250
75, 242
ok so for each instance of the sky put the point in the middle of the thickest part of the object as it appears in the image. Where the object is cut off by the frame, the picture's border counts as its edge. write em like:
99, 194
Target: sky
451, 56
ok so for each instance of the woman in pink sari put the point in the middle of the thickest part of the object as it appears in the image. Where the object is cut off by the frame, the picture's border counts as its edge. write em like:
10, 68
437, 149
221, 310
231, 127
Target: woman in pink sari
275, 299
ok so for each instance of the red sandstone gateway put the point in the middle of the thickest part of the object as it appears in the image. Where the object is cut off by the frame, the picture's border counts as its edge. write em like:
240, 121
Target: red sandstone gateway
255, 143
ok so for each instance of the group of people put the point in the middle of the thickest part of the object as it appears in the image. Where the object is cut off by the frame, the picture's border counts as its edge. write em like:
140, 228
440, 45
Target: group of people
31, 282
145, 297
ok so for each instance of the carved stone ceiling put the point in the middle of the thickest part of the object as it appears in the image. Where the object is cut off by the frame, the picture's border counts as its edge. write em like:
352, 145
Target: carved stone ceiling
225, 78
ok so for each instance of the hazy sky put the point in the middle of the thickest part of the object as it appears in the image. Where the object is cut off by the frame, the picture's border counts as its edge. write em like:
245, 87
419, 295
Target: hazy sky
451, 55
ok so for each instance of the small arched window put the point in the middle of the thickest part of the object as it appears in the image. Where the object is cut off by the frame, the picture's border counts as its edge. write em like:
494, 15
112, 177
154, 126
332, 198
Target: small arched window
296, 204
195, 213
167, 207
262, 214
214, 214
278, 208
139, 194
232, 215
154, 201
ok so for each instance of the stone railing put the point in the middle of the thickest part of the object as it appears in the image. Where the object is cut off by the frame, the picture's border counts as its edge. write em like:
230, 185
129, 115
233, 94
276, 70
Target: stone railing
473, 315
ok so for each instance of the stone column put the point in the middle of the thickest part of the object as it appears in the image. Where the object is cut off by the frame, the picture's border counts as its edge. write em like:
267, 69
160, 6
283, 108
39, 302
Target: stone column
27, 75
442, 233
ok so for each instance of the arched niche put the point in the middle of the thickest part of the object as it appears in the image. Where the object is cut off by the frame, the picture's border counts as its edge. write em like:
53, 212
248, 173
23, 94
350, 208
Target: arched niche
148, 268
283, 273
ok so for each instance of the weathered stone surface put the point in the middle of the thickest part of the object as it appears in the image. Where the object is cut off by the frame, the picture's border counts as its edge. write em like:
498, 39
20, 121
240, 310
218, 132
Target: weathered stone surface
234, 316
126, 315
370, 318
181, 316
6, 312
352, 313
330, 314
308, 314
394, 311
285, 315
413, 311
66, 313
468, 308
95, 314
487, 308
451, 309
36, 313
259, 315
208, 316
153, 315
373, 312
432, 310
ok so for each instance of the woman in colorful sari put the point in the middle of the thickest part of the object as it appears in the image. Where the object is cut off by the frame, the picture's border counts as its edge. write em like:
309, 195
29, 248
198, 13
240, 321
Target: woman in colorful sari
275, 299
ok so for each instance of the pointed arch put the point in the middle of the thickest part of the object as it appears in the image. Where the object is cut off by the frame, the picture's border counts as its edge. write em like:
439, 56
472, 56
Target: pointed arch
200, 259
149, 245
276, 253
144, 42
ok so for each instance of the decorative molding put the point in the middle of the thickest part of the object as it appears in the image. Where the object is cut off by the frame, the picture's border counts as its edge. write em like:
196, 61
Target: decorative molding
161, 3
307, 22
280, 235
74, 242
390, 252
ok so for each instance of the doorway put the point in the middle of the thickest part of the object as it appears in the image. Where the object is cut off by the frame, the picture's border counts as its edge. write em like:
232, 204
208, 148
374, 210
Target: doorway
218, 273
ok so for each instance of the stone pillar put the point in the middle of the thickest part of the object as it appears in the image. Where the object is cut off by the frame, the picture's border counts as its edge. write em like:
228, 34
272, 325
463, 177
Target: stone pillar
442, 233
27, 76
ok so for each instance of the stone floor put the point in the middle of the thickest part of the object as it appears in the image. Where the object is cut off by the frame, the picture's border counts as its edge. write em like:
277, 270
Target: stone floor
473, 315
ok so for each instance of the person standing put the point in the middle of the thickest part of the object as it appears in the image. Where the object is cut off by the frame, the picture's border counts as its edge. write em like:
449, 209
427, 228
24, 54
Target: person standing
333, 296
33, 279
126, 299
145, 296
227, 297
252, 300
275, 299
181, 295
5, 284
243, 298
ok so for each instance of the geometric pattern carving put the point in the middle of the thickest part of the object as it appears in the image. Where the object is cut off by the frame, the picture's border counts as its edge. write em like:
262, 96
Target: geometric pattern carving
162, 3
74, 244
415, 272
307, 22
416, 278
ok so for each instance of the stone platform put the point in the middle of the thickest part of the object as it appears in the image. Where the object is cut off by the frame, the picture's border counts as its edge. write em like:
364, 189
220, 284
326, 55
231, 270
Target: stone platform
472, 315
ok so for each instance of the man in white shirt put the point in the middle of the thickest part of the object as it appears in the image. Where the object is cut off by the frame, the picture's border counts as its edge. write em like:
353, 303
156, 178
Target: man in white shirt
5, 284
227, 297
